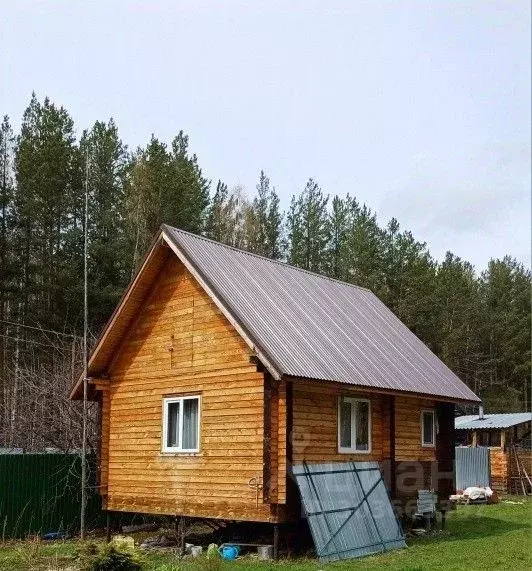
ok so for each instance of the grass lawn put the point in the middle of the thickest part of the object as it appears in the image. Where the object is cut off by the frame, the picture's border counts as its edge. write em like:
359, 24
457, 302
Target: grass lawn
477, 537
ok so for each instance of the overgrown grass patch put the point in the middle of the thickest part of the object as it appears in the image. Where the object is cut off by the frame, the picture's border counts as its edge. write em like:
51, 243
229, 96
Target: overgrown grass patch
477, 537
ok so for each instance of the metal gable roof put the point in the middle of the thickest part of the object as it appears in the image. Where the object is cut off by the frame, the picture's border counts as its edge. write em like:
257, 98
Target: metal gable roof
307, 325
505, 420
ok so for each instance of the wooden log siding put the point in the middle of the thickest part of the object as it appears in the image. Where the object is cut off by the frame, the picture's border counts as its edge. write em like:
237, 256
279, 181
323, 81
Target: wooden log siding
104, 444
278, 411
408, 430
180, 343
281, 442
315, 424
315, 430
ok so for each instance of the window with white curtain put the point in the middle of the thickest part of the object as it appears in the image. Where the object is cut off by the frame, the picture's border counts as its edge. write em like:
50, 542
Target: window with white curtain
181, 417
354, 425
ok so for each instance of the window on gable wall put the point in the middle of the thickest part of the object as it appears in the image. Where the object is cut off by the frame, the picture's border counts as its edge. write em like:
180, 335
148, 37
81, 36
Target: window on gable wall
354, 425
428, 428
181, 422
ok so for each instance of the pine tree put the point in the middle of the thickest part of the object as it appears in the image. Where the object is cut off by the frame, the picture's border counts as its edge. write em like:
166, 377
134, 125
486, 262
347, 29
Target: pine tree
164, 187
505, 288
216, 223
44, 198
7, 140
258, 218
365, 247
264, 224
308, 229
187, 199
409, 280
7, 251
108, 270
147, 184
43, 201
339, 248
456, 306
274, 228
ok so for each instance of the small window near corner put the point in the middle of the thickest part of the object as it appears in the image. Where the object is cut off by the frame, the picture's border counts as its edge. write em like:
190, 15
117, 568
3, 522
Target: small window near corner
428, 428
181, 423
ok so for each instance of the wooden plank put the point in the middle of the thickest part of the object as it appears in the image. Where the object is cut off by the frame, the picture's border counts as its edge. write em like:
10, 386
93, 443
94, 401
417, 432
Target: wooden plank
187, 506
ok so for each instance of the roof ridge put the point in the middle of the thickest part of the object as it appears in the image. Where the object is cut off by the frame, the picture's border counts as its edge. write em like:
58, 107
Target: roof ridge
278, 262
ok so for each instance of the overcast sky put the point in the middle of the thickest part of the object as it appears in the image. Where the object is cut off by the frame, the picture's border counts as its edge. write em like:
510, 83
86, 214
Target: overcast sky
420, 109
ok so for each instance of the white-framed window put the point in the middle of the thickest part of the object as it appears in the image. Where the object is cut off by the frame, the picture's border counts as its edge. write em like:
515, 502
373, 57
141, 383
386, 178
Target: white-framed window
428, 428
354, 425
181, 424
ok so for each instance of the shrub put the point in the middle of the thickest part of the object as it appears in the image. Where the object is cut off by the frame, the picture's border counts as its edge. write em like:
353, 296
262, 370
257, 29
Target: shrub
109, 558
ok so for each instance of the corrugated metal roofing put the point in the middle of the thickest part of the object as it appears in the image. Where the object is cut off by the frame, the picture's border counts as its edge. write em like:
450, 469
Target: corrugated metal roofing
348, 509
472, 467
316, 327
472, 421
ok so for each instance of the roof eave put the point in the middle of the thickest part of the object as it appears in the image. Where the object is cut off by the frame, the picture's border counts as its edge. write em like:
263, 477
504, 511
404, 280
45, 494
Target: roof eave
385, 391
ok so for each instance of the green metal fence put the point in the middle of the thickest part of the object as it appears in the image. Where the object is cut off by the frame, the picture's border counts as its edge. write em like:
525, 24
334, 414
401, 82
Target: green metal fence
40, 493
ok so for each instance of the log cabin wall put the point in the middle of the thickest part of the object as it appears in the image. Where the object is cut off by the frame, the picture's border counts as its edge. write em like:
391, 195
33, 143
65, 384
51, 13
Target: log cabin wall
408, 430
315, 430
315, 424
181, 344
315, 434
104, 442
414, 464
277, 456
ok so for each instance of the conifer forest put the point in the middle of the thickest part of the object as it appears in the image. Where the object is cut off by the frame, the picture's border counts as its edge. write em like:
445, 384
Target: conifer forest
477, 320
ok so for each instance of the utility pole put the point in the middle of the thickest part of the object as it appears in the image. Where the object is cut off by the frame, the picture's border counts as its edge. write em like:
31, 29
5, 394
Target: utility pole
85, 354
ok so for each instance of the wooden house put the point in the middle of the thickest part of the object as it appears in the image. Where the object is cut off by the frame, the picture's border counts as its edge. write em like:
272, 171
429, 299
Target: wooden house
220, 369
508, 437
